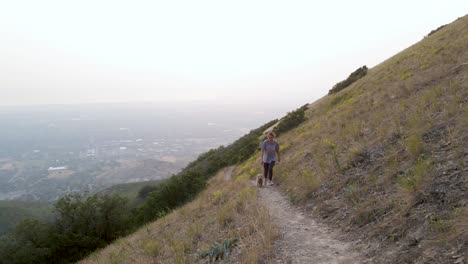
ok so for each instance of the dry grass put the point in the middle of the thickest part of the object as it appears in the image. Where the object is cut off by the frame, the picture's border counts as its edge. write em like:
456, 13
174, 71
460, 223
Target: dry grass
460, 225
362, 115
225, 210
390, 135
411, 182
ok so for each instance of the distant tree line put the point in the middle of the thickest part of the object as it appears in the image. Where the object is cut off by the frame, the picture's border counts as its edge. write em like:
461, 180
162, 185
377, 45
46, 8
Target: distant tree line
84, 223
354, 76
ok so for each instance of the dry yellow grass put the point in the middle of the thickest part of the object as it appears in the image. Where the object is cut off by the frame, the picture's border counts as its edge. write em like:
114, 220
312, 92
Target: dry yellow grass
384, 145
225, 210
381, 106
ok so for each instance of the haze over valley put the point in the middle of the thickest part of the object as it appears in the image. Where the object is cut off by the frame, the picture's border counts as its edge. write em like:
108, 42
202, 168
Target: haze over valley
48, 151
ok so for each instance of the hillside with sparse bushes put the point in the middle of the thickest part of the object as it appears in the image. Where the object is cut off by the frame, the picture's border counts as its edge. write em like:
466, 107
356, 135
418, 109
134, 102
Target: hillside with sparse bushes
383, 160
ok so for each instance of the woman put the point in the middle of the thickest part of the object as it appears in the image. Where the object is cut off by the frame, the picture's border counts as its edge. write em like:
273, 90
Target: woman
270, 149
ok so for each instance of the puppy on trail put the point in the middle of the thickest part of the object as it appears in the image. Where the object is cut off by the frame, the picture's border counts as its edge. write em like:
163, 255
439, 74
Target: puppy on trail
259, 180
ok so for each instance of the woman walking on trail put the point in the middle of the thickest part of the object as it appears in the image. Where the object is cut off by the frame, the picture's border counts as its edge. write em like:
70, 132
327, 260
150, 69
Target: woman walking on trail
270, 149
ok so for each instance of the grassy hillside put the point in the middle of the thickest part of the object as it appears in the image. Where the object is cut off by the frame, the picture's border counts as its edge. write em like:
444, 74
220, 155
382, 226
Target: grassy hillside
384, 160
387, 157
226, 213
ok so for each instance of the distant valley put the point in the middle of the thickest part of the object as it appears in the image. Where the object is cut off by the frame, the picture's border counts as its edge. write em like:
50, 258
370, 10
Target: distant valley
49, 151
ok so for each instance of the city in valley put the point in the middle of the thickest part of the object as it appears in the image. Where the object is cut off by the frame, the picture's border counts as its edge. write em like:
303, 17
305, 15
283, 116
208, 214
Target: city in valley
49, 151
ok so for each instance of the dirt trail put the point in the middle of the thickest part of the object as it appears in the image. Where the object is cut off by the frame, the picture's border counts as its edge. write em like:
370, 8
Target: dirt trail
302, 240
228, 172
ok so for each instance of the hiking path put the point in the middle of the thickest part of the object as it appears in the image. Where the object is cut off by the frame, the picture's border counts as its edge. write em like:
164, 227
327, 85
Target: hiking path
302, 239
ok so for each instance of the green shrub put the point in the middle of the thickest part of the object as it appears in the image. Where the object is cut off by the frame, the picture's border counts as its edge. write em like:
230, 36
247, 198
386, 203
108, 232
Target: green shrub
406, 75
414, 145
341, 98
435, 30
291, 120
334, 151
218, 251
354, 76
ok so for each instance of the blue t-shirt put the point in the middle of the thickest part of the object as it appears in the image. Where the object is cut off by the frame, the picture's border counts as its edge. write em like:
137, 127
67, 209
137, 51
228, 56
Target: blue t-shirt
269, 150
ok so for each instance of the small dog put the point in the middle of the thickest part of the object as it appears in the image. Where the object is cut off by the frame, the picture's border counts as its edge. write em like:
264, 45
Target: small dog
260, 181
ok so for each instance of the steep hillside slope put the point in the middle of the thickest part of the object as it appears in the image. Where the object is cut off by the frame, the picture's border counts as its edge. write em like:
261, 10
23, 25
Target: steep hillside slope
384, 160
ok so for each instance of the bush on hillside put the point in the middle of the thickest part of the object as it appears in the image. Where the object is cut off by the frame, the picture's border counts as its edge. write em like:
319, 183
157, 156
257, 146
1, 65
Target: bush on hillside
291, 120
435, 30
356, 75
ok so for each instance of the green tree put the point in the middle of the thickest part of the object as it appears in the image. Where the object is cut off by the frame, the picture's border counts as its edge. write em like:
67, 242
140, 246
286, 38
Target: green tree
28, 243
85, 223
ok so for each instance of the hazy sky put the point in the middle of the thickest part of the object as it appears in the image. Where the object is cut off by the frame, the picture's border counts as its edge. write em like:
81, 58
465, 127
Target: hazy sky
289, 52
